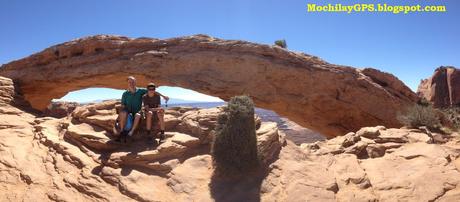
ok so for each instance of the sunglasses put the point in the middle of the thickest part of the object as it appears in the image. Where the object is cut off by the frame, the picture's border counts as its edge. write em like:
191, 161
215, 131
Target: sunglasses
151, 89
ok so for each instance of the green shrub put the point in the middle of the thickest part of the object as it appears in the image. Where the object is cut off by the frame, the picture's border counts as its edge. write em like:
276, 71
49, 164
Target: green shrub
281, 43
234, 149
420, 115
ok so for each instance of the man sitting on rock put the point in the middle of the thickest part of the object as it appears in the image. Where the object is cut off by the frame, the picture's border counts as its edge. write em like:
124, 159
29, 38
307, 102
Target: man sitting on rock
152, 109
131, 103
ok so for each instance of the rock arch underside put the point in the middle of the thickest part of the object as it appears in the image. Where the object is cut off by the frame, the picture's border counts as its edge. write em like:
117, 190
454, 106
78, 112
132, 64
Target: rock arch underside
331, 99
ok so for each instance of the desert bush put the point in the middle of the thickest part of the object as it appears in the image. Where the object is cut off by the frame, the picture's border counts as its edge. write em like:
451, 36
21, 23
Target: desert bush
234, 149
281, 43
424, 102
420, 115
452, 117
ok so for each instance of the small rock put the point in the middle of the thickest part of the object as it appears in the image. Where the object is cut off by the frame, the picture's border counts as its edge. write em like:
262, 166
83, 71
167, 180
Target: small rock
370, 132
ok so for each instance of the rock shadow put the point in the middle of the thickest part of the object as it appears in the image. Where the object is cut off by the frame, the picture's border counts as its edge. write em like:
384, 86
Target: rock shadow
246, 187
243, 188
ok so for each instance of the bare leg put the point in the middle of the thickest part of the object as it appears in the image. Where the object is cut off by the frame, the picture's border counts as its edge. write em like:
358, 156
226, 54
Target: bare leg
137, 118
122, 118
161, 113
149, 116
161, 116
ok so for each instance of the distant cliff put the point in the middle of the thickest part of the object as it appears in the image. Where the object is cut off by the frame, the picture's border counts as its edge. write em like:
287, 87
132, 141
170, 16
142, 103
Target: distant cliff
443, 88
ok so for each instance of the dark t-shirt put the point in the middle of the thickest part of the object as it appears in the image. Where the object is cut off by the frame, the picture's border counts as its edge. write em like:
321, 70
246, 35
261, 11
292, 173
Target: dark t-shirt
151, 102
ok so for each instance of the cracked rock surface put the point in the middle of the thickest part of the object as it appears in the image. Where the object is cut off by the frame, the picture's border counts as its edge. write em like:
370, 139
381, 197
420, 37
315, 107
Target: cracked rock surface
379, 164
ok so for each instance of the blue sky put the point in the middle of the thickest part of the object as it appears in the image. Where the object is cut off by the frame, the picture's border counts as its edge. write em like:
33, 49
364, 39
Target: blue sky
409, 46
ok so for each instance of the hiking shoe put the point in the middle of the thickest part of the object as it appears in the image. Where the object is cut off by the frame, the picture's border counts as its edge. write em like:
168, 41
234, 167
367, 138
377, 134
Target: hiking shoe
162, 136
131, 133
155, 141
123, 136
149, 133
116, 131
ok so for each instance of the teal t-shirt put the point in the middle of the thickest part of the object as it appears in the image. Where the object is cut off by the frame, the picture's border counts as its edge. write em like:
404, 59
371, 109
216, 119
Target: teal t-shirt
133, 101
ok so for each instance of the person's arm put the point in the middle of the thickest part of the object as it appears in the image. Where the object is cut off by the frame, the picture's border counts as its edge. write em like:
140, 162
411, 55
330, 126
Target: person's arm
163, 96
123, 101
145, 107
143, 91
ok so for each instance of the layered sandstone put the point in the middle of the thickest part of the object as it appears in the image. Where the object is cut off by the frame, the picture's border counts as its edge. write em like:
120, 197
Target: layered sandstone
7, 91
443, 88
327, 98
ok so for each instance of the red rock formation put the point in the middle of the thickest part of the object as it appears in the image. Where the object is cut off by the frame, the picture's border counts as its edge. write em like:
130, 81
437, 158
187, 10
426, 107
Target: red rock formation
327, 98
443, 88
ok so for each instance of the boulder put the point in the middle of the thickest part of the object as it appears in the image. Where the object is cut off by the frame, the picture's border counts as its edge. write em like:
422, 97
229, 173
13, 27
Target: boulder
299, 177
200, 123
138, 186
368, 142
60, 109
91, 136
370, 132
352, 181
185, 140
268, 142
403, 174
388, 165
101, 114
156, 157
188, 186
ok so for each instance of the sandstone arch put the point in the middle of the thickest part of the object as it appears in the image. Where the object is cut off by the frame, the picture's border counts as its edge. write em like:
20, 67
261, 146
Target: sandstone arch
330, 99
